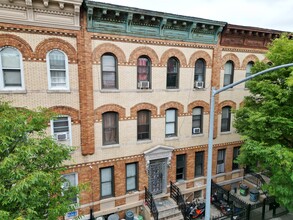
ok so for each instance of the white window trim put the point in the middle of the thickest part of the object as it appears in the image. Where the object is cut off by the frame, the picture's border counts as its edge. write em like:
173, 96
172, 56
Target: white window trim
76, 182
49, 72
69, 128
2, 87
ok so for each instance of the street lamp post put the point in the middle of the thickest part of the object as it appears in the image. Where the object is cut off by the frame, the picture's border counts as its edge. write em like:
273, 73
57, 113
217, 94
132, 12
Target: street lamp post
211, 132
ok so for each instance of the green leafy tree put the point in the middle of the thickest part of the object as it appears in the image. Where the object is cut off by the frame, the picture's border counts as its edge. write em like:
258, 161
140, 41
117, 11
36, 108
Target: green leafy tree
31, 163
266, 123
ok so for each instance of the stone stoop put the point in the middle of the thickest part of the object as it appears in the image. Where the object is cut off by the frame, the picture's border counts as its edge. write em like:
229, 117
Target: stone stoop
168, 209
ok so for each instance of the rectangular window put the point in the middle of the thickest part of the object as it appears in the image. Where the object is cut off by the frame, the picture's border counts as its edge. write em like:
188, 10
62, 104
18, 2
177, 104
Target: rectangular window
61, 129
143, 125
197, 120
131, 177
226, 119
171, 122
71, 182
221, 161
180, 167
107, 182
199, 164
109, 72
236, 151
58, 70
228, 73
110, 128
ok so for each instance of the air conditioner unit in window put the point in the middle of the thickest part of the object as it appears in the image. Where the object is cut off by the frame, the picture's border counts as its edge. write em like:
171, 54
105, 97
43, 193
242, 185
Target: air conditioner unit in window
195, 130
61, 136
221, 168
198, 84
143, 84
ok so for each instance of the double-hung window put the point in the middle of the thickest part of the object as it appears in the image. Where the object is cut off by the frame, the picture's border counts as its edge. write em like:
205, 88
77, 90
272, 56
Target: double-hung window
57, 70
180, 167
131, 177
197, 120
71, 180
236, 151
171, 123
199, 74
221, 161
11, 74
109, 72
172, 73
199, 164
143, 73
110, 128
143, 125
226, 119
61, 129
107, 182
248, 70
228, 73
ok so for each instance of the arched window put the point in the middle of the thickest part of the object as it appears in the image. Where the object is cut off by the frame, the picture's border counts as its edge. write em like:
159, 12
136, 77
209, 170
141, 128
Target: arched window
173, 73
226, 119
11, 74
171, 122
197, 120
228, 73
143, 125
199, 74
143, 73
110, 128
57, 70
248, 69
109, 72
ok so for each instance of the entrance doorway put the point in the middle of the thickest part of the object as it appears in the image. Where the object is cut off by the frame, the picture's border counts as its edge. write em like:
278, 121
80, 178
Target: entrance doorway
158, 176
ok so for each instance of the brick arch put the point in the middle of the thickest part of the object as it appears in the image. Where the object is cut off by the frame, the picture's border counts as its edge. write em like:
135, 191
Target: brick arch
232, 57
108, 48
266, 60
173, 53
226, 103
55, 43
200, 55
18, 43
200, 103
109, 108
171, 104
247, 59
66, 110
143, 106
241, 104
143, 51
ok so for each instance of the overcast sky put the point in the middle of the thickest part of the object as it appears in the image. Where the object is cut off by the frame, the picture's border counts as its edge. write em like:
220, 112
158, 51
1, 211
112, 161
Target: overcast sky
269, 14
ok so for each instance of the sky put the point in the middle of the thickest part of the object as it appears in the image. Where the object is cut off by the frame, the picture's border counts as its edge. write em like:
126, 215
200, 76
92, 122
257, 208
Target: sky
268, 14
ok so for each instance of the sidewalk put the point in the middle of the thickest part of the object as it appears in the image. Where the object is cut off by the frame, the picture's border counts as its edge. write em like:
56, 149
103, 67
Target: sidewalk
289, 216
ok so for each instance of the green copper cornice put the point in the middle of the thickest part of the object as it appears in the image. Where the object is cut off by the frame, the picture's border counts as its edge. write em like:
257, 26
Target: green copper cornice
115, 19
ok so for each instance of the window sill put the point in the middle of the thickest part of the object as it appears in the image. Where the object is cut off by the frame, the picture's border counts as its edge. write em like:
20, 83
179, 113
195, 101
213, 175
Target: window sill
144, 141
171, 138
10, 91
111, 146
199, 89
220, 174
226, 132
58, 91
144, 90
197, 135
109, 91
172, 90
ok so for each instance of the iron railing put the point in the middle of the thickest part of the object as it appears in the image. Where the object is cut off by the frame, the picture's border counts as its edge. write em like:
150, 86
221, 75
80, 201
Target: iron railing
150, 202
176, 195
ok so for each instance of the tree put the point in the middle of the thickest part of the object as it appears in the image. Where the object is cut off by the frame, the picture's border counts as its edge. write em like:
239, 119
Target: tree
30, 167
266, 122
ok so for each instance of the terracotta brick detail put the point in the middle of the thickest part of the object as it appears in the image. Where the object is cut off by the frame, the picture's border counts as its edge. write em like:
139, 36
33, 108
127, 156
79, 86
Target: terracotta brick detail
200, 55
55, 43
143, 106
172, 104
226, 103
232, 57
266, 60
109, 108
18, 43
199, 103
108, 48
140, 51
250, 57
173, 53
65, 110
241, 104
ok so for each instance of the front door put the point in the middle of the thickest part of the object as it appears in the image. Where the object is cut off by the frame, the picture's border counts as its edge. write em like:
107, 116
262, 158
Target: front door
157, 176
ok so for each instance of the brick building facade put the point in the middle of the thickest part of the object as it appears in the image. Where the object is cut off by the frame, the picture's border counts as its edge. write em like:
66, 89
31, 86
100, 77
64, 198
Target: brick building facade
132, 88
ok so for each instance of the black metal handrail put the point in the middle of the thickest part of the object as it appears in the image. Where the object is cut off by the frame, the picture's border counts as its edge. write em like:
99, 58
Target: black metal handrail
150, 202
176, 195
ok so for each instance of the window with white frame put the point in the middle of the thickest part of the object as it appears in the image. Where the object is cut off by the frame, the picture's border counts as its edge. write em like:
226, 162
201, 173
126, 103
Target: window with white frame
248, 69
228, 73
57, 70
180, 167
199, 74
107, 182
143, 72
171, 123
226, 119
109, 72
61, 129
131, 177
197, 120
11, 72
199, 164
71, 181
221, 161
173, 73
